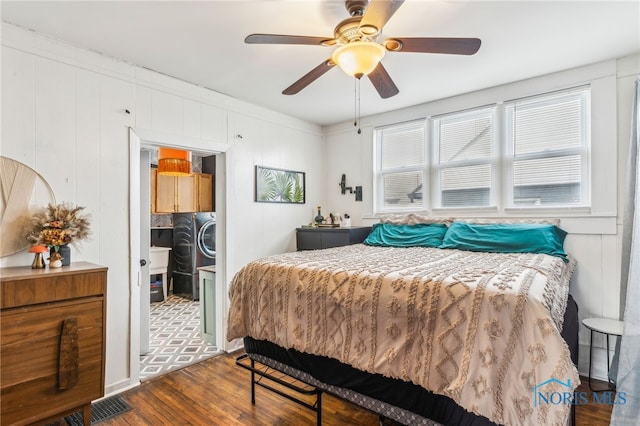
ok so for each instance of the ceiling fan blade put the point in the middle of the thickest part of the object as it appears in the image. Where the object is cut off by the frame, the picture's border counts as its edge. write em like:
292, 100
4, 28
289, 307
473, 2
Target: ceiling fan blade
377, 14
309, 77
287, 39
454, 46
383, 83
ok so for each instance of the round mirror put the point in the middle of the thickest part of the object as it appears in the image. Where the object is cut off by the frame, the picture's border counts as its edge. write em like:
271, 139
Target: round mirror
23, 192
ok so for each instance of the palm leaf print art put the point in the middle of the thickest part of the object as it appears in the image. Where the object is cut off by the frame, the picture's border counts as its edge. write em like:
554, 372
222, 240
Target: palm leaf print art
279, 186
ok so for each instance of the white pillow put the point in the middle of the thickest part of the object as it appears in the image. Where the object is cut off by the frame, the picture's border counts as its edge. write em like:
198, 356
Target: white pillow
547, 221
413, 219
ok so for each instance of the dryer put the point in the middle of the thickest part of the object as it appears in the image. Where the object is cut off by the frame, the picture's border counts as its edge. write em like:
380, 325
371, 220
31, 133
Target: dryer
194, 245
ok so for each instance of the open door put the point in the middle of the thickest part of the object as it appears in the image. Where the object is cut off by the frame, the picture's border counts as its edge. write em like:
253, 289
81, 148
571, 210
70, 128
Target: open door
139, 234
145, 293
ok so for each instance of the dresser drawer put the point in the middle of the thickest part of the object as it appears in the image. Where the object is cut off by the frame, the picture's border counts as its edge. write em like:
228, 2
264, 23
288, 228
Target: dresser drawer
30, 342
36, 290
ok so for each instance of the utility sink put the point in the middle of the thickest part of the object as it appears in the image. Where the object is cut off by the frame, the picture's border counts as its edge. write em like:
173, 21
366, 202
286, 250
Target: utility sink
158, 258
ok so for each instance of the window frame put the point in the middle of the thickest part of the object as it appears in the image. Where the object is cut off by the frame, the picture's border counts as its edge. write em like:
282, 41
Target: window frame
501, 162
437, 168
584, 150
379, 173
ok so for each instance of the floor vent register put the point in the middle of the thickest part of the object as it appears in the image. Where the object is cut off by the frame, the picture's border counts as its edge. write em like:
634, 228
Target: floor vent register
100, 411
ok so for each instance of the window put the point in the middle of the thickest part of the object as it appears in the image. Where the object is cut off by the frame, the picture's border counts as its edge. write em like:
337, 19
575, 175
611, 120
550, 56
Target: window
526, 153
401, 166
547, 143
464, 147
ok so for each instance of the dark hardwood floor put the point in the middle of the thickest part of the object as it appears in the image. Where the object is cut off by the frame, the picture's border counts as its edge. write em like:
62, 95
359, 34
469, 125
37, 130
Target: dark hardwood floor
217, 392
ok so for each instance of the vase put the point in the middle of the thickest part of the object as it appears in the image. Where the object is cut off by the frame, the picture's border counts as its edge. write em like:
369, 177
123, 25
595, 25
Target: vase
319, 219
65, 252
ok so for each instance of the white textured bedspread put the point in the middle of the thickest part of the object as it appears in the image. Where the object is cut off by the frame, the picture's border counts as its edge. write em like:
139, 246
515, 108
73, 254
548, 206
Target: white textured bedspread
480, 328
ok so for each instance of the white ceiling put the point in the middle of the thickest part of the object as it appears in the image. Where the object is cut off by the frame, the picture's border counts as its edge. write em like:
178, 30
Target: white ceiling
203, 42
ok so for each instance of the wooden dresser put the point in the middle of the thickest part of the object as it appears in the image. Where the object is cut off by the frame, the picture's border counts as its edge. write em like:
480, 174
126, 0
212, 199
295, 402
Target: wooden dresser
52, 341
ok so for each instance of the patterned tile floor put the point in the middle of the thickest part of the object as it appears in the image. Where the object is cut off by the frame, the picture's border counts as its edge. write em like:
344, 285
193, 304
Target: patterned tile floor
174, 337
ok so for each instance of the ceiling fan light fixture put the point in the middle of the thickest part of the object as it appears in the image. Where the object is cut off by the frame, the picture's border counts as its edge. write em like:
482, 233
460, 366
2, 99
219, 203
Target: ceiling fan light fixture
358, 58
174, 162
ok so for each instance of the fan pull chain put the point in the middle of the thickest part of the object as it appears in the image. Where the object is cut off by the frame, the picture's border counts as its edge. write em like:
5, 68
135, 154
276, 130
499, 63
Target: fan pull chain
356, 91
355, 102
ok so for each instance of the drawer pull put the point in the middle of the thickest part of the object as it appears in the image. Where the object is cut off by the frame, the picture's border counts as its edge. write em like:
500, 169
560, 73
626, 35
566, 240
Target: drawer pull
68, 360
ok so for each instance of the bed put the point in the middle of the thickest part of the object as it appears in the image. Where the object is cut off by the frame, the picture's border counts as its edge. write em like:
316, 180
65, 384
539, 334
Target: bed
426, 334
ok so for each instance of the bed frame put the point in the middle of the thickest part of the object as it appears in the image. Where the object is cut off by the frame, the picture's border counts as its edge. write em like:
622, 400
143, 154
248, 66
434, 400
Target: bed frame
276, 369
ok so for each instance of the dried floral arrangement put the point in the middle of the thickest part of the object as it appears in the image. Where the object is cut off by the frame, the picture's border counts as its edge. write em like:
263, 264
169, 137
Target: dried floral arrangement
58, 225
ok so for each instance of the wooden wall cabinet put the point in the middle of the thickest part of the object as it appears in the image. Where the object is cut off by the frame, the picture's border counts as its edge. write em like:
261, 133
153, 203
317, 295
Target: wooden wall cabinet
153, 182
180, 194
175, 194
52, 341
204, 192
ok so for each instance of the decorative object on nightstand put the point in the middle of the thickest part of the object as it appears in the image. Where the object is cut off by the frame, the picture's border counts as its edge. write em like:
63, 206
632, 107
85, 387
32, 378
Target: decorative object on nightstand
319, 218
608, 327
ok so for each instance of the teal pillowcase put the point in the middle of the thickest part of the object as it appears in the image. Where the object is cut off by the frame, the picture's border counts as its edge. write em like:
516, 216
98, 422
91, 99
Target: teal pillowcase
419, 235
506, 238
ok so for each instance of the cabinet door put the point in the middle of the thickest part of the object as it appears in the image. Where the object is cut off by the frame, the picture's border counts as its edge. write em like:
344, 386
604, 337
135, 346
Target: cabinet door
308, 240
208, 307
165, 194
186, 194
334, 239
205, 192
153, 181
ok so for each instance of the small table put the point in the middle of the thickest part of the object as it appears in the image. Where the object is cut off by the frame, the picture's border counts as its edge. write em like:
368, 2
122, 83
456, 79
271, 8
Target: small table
608, 327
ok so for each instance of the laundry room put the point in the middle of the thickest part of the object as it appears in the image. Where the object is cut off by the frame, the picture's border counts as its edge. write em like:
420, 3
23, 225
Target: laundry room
182, 254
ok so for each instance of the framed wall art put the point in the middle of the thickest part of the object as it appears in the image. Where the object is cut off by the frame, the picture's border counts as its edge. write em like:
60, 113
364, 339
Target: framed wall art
279, 186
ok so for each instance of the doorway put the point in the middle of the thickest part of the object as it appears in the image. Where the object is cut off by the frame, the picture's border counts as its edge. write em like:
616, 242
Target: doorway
139, 226
172, 333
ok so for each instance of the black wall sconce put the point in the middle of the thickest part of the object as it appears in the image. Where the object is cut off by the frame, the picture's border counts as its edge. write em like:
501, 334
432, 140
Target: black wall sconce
344, 188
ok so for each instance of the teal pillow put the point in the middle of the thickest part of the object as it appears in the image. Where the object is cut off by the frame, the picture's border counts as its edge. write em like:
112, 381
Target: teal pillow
418, 235
506, 238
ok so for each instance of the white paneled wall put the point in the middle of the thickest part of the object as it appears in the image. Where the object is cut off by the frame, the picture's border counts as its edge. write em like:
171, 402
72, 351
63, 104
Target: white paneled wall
66, 112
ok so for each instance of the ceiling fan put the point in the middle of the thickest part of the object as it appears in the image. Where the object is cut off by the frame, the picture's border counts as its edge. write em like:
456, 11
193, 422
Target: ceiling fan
359, 52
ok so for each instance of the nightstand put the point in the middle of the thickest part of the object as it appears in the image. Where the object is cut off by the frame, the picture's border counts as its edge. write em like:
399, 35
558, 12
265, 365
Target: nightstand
320, 238
608, 327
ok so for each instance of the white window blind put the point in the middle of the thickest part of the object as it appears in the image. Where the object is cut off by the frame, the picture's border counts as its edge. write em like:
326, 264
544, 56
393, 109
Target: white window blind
402, 164
464, 143
548, 145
